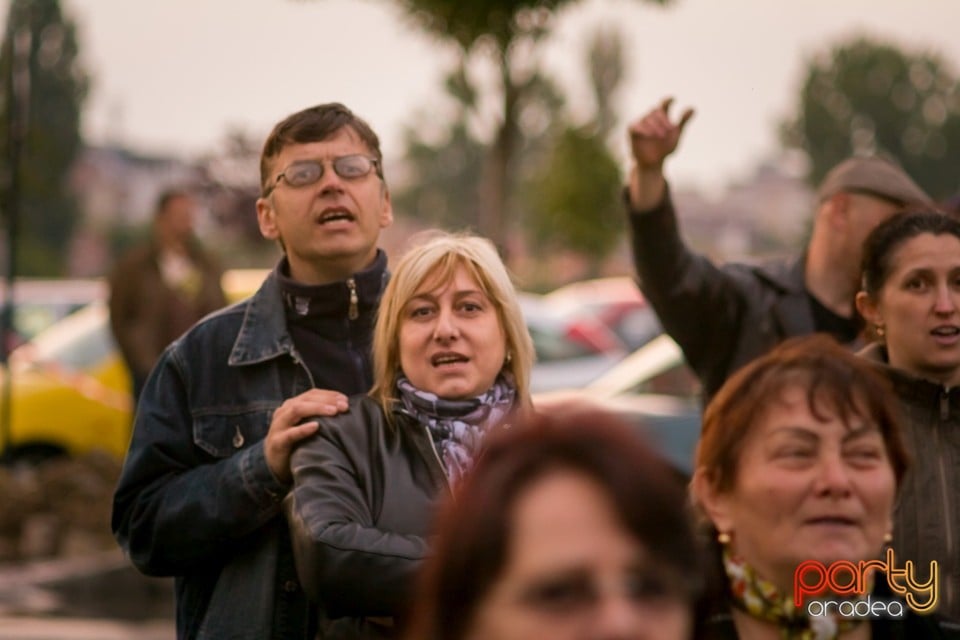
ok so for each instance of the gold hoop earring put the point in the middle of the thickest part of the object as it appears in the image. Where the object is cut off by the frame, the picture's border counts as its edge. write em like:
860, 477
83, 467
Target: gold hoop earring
887, 537
723, 538
880, 330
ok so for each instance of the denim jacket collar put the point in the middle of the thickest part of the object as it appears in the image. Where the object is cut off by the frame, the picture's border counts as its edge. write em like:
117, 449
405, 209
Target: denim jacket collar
263, 334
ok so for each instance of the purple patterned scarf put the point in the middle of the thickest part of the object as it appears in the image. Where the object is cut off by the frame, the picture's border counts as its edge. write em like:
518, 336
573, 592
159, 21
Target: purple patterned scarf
458, 427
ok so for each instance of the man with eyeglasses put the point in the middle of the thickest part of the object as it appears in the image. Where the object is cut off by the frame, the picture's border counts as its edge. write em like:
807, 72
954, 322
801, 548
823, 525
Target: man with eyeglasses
209, 462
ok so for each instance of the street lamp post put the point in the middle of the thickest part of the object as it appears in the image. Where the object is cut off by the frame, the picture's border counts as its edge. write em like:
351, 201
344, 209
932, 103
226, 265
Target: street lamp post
18, 111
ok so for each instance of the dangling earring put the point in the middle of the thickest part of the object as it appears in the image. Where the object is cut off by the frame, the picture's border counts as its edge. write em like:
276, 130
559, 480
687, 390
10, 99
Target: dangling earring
879, 329
723, 538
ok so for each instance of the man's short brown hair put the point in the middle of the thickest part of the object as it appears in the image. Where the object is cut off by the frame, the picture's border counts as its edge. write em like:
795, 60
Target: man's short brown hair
314, 124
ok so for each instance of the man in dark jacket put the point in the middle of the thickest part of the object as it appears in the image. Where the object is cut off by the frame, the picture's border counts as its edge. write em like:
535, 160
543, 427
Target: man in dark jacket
209, 463
724, 316
161, 287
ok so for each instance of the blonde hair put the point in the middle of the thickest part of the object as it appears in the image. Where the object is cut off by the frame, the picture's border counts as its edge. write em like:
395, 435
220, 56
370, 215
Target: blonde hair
436, 260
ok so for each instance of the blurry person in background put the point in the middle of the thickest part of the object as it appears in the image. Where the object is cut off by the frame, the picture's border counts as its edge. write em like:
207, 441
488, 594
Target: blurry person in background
724, 316
161, 287
911, 301
452, 360
799, 460
568, 528
208, 466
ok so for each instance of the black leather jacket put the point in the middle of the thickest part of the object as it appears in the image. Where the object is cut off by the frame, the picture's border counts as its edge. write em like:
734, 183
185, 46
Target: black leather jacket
927, 521
363, 502
721, 316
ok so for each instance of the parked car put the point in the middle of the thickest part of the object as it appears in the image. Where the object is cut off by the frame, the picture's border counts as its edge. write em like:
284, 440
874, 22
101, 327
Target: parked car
71, 391
69, 388
38, 303
616, 302
572, 349
655, 391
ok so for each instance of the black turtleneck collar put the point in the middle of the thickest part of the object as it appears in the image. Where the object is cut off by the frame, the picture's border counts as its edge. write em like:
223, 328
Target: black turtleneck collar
333, 299
331, 325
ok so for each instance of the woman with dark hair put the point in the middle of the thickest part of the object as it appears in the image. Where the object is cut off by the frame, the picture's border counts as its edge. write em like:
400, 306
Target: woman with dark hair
568, 527
911, 301
797, 469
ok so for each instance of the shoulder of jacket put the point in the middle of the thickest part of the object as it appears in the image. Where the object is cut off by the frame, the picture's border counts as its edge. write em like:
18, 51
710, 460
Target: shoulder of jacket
782, 275
136, 257
363, 416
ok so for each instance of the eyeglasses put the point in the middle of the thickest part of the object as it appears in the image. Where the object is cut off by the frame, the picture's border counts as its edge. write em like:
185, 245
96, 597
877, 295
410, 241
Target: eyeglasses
305, 172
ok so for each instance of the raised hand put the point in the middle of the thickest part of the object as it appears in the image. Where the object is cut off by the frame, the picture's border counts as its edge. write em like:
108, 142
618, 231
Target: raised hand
653, 137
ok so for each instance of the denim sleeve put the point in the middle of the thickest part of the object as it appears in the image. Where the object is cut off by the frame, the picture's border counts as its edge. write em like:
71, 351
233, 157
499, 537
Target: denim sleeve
344, 561
176, 506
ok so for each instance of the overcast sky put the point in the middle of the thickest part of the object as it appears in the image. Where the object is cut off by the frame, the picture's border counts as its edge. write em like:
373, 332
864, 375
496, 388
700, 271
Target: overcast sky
176, 75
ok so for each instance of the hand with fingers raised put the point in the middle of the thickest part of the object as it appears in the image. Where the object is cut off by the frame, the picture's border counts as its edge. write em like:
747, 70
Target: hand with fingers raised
652, 138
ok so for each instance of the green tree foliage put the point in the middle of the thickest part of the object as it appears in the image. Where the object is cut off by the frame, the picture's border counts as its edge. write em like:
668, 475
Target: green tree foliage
58, 86
606, 67
867, 96
574, 200
506, 33
573, 197
443, 183
441, 176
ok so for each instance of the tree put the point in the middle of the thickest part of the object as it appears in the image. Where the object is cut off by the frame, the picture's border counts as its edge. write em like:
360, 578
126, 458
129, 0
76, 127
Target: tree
506, 33
573, 196
58, 86
443, 173
867, 96
440, 184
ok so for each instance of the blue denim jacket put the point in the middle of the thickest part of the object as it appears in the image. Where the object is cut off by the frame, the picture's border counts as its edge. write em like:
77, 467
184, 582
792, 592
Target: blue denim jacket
196, 499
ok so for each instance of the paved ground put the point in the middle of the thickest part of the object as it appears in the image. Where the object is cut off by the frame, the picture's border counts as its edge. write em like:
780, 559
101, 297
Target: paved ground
83, 629
94, 597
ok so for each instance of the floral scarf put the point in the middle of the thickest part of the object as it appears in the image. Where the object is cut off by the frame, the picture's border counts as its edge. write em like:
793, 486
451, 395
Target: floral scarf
458, 427
762, 600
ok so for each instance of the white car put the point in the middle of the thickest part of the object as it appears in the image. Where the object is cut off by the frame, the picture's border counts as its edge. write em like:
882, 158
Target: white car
654, 391
571, 349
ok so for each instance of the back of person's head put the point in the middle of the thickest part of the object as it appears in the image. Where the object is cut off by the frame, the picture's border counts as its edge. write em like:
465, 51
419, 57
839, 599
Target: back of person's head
433, 262
478, 526
314, 124
883, 242
873, 176
834, 381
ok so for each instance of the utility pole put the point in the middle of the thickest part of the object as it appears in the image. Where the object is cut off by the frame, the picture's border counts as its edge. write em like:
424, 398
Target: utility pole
18, 111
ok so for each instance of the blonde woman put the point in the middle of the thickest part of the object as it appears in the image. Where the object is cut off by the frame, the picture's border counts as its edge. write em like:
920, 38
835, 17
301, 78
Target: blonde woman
452, 360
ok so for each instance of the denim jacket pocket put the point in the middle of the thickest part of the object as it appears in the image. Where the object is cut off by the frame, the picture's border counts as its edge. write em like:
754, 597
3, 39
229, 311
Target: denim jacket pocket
222, 435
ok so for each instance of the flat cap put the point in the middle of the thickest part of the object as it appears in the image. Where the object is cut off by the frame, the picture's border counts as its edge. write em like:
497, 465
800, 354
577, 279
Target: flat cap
873, 176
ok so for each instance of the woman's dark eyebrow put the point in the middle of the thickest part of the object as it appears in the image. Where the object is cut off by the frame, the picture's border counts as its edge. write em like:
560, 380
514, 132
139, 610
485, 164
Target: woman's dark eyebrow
803, 432
860, 431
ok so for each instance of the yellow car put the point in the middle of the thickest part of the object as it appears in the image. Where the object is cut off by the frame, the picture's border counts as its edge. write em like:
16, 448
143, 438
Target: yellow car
70, 390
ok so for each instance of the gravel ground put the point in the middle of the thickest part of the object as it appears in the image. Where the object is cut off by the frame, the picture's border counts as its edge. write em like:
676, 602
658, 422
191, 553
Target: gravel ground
62, 576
